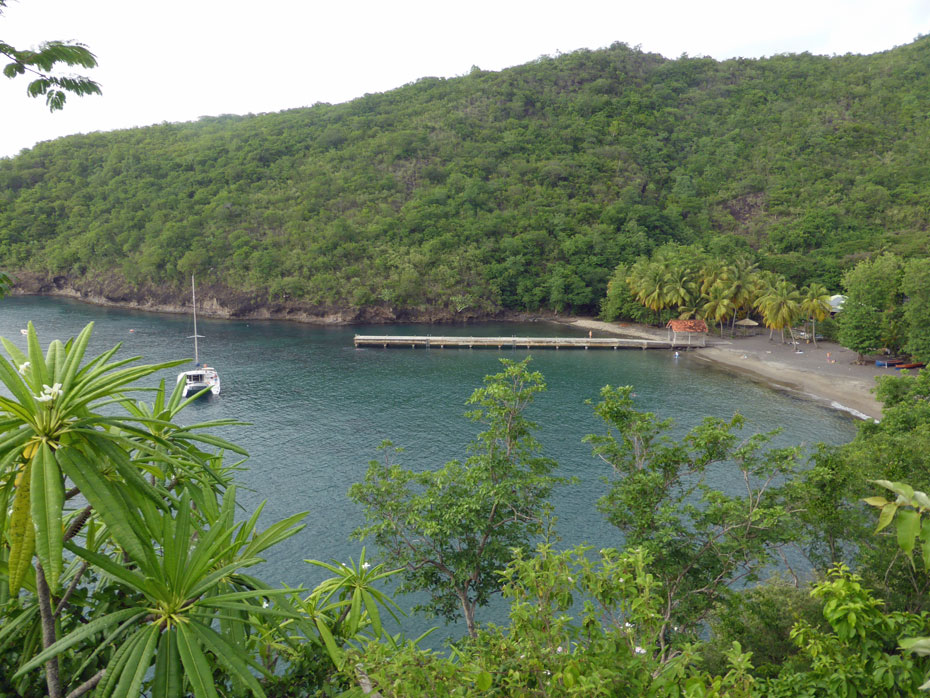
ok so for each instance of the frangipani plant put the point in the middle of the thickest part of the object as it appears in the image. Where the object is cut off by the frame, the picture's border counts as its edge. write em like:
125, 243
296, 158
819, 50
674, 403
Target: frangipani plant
52, 434
142, 587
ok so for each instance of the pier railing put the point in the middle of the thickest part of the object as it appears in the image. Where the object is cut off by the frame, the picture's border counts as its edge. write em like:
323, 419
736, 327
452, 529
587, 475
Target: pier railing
442, 342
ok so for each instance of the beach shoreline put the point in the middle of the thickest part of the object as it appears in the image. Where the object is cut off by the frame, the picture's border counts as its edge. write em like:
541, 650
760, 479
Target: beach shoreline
826, 373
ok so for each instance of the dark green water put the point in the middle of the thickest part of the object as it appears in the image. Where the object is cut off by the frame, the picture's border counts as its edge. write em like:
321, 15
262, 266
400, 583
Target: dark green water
318, 408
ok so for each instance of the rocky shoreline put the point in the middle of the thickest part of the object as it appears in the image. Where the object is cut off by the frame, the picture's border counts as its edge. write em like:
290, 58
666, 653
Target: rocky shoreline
220, 301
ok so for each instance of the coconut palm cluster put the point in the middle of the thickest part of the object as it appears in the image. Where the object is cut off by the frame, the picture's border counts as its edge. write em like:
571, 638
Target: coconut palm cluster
685, 281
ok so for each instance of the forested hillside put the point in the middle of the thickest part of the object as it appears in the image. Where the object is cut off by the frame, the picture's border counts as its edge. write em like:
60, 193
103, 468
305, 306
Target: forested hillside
521, 189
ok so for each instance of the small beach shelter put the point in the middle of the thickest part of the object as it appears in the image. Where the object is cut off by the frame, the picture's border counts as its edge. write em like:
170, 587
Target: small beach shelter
687, 328
836, 303
747, 326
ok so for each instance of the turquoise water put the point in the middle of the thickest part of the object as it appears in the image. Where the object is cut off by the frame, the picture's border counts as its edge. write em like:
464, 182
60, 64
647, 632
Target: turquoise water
318, 408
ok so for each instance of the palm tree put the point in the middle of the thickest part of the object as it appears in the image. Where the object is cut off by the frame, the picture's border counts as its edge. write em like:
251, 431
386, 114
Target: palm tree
744, 283
647, 282
815, 304
680, 288
711, 272
718, 304
780, 307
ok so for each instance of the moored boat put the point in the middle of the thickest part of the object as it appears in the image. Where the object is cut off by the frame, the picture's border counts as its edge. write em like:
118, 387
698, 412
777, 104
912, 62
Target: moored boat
201, 377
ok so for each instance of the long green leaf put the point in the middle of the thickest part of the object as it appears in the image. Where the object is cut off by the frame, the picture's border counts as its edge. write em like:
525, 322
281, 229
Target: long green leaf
234, 658
138, 664
215, 441
6, 493
908, 524
355, 612
118, 664
10, 627
34, 350
335, 653
22, 531
109, 640
74, 355
274, 534
79, 635
195, 664
245, 608
16, 356
372, 606
168, 679
14, 382
55, 360
48, 498
177, 540
12, 444
100, 493
132, 579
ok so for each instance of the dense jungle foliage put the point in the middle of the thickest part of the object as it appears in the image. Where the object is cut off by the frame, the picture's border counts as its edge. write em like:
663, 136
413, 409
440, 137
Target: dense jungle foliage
519, 189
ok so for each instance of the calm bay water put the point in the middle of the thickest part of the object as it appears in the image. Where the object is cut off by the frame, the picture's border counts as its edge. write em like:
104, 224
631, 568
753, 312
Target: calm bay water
318, 409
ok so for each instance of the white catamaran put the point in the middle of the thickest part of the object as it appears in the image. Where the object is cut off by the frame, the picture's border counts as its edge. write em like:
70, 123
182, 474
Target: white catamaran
201, 376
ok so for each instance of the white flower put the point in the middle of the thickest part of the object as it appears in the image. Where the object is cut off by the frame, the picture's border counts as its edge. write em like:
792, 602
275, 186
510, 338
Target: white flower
559, 649
627, 625
49, 392
265, 604
24, 367
639, 650
365, 566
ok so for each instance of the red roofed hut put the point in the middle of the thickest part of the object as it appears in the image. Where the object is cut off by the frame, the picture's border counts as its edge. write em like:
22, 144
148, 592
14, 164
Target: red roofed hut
691, 328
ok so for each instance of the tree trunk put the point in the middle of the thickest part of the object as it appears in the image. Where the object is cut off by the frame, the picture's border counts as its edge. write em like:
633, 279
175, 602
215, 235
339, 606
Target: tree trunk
814, 331
44, 595
468, 610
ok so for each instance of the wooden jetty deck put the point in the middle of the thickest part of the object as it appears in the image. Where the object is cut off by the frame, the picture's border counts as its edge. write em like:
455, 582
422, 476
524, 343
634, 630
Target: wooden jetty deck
440, 342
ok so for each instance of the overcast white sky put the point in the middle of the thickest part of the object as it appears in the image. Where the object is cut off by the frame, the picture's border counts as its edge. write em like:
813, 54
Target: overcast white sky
175, 61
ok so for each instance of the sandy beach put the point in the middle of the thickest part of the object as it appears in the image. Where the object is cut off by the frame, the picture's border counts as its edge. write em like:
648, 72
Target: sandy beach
826, 373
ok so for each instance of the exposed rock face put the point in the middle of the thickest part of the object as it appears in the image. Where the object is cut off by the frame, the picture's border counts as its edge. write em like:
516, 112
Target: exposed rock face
218, 300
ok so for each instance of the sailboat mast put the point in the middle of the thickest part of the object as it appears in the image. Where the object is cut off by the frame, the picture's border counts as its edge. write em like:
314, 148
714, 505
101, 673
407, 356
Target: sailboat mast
194, 302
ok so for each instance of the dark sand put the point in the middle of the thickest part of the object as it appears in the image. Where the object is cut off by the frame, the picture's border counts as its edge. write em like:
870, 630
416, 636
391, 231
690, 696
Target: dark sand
804, 369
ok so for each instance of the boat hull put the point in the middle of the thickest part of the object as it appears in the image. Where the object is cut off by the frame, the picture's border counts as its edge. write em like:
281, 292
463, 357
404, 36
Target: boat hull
199, 379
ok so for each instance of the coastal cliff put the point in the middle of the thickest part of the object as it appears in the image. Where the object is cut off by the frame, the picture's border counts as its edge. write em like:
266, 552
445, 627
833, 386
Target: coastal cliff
222, 301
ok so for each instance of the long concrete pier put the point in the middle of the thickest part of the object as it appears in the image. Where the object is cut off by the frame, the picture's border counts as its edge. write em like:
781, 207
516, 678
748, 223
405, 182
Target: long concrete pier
441, 342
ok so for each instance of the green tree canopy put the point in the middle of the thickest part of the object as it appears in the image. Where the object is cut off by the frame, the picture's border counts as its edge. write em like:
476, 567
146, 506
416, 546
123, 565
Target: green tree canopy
453, 529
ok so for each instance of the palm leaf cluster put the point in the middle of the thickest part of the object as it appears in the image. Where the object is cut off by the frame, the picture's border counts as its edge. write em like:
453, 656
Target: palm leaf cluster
686, 281
122, 567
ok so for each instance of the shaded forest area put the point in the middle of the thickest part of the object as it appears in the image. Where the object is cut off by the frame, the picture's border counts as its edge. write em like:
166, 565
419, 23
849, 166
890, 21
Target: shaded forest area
516, 190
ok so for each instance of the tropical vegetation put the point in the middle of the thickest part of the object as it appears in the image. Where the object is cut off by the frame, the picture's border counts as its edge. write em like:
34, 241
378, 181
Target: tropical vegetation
515, 190
649, 187
124, 570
